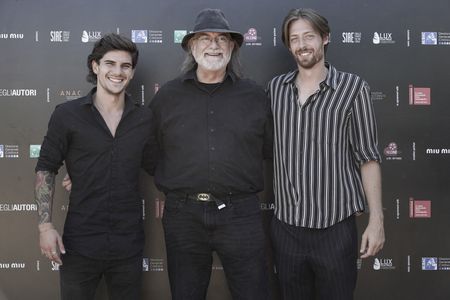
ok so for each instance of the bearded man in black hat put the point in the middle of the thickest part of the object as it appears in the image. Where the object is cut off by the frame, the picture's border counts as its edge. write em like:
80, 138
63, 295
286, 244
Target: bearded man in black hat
214, 129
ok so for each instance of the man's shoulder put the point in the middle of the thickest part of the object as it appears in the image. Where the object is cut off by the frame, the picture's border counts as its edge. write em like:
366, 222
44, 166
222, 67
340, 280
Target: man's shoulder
282, 78
71, 105
347, 76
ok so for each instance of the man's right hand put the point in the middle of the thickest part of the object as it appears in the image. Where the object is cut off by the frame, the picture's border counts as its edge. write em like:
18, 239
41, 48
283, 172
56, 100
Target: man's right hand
67, 183
51, 242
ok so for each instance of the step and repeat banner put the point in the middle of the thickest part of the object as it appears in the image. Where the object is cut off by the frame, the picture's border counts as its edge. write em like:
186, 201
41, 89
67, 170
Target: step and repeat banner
401, 48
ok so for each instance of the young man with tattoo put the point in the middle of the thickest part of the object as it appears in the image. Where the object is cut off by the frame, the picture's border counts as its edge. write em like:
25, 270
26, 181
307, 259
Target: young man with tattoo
103, 138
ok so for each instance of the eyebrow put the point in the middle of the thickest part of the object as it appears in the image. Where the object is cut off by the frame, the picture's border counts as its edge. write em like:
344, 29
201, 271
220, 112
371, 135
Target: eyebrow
115, 62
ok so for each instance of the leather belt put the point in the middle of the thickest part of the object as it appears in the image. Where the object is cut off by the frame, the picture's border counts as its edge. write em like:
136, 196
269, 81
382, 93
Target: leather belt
203, 197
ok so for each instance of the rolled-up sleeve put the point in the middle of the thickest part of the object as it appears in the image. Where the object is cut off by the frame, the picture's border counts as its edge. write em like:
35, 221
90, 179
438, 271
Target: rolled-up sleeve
55, 144
363, 128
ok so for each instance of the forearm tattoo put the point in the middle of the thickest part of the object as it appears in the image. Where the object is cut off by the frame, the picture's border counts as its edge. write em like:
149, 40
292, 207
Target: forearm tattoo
43, 194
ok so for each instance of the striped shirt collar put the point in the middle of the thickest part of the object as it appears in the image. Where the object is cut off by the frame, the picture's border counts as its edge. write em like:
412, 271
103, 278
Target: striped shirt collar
330, 81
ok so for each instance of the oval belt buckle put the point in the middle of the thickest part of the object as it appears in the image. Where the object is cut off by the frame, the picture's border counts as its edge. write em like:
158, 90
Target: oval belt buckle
203, 197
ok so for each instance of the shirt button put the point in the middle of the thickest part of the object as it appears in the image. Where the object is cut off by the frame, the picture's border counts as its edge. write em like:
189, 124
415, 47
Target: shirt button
213, 148
211, 112
212, 130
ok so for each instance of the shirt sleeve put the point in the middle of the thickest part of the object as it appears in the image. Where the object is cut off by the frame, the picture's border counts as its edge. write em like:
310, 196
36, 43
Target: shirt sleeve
363, 128
55, 144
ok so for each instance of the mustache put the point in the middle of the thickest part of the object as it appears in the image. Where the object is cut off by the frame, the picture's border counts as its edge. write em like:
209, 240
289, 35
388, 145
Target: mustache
303, 49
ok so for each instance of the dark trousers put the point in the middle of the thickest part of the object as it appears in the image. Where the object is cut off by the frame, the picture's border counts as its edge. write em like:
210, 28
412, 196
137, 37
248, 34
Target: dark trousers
80, 276
193, 230
316, 263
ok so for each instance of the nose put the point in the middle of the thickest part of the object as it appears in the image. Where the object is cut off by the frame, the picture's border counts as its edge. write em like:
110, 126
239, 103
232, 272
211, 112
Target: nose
214, 43
116, 69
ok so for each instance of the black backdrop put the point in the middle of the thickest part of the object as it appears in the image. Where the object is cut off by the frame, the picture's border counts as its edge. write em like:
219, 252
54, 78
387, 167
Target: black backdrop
400, 47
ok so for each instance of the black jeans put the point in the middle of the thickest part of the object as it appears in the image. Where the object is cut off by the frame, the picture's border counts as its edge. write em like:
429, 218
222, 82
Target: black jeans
81, 275
193, 230
315, 264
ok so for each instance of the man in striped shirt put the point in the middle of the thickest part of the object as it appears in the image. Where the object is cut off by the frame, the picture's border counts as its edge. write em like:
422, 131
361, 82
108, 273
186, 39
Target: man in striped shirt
326, 168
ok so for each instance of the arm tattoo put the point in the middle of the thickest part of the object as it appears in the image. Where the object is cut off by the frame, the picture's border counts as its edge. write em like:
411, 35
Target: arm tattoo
43, 194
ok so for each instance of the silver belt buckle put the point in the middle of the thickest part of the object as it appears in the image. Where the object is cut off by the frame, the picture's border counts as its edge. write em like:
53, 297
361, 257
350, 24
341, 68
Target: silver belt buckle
203, 197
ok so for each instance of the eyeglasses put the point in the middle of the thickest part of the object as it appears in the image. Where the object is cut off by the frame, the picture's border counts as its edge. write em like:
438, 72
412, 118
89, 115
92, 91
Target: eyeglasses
221, 40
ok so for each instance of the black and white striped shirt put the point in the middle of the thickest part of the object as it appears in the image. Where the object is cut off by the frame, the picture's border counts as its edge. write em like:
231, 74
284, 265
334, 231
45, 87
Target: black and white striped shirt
319, 147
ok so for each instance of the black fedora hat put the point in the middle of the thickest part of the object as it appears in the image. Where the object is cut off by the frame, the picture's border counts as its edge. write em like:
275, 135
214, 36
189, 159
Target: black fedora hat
211, 20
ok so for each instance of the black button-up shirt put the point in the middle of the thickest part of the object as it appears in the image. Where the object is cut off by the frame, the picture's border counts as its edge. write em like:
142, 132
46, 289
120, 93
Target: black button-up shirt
213, 138
105, 209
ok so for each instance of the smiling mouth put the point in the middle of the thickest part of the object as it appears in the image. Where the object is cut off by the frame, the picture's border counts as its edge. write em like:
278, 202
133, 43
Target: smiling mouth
115, 80
213, 54
305, 53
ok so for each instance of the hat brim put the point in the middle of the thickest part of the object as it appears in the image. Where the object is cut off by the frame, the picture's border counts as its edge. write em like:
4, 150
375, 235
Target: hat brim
238, 37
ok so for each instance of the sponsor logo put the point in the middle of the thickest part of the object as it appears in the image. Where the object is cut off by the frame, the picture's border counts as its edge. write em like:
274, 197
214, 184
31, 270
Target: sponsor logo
377, 96
274, 36
419, 208
267, 206
397, 206
178, 36
419, 95
392, 152
145, 265
13, 207
69, 94
351, 37
437, 151
139, 36
156, 265
251, 38
359, 263
435, 38
383, 264
34, 151
59, 36
18, 92
159, 208
55, 266
12, 265
435, 263
429, 38
429, 263
11, 36
155, 36
90, 36
143, 209
142, 95
382, 38
9, 151
147, 36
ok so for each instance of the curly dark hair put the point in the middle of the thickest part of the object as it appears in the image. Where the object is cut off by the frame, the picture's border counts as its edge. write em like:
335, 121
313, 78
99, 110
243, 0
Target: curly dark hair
110, 42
